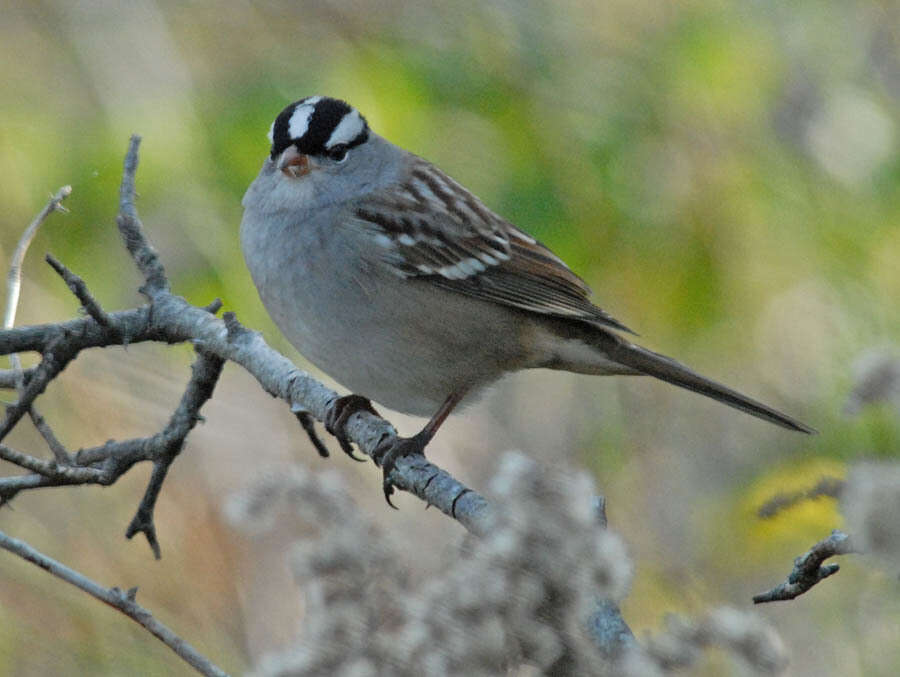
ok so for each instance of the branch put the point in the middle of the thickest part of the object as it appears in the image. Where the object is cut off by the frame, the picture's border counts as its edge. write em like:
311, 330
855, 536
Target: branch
116, 598
79, 288
132, 232
205, 373
104, 464
809, 569
13, 378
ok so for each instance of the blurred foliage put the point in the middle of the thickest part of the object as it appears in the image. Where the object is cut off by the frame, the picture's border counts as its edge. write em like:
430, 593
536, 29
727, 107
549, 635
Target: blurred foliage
725, 175
778, 535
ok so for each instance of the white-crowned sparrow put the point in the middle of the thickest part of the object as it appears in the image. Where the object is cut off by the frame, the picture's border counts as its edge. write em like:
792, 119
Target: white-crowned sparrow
402, 285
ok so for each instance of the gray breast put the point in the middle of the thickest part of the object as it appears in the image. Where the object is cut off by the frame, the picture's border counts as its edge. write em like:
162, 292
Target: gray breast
404, 343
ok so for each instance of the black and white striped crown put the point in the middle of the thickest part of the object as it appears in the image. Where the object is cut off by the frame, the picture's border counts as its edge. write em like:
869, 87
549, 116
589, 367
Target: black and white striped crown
318, 125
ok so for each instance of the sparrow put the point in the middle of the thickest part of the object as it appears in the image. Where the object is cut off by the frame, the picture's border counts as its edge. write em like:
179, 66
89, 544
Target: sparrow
403, 286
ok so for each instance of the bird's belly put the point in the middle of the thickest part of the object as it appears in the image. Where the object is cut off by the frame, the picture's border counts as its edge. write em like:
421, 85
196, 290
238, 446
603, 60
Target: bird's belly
403, 343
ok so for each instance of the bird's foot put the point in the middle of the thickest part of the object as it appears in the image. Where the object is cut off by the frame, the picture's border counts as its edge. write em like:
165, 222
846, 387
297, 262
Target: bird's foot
387, 453
338, 414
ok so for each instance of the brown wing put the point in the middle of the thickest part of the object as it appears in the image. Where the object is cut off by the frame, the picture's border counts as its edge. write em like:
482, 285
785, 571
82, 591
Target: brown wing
431, 227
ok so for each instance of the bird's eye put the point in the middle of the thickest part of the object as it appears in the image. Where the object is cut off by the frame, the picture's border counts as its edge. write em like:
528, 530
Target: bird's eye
338, 153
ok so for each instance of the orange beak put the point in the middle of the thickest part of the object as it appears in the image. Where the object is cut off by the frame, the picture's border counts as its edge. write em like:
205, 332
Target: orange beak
293, 163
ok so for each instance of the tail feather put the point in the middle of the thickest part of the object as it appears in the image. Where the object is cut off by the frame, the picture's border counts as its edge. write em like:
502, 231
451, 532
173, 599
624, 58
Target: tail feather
666, 369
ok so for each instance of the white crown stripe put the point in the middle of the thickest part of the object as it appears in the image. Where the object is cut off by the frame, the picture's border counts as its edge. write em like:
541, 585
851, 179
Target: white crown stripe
350, 126
299, 121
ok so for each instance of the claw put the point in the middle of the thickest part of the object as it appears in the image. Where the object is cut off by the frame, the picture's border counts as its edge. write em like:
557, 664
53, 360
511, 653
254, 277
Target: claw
306, 420
388, 487
338, 414
387, 453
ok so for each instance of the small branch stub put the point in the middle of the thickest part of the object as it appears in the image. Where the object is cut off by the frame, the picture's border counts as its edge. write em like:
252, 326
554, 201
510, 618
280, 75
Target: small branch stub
810, 569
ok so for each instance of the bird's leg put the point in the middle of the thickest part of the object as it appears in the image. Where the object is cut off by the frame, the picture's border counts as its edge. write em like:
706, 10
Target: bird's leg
338, 414
387, 454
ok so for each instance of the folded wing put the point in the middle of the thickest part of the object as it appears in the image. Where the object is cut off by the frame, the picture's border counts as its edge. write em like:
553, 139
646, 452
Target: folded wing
431, 227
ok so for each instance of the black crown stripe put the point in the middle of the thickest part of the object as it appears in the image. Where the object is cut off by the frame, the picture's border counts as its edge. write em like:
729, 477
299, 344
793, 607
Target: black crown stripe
281, 139
326, 116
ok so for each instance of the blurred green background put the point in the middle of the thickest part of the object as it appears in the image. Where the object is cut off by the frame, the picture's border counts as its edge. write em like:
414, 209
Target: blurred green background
725, 175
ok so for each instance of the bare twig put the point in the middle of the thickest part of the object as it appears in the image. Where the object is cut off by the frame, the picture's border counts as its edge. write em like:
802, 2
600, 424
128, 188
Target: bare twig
809, 568
79, 288
13, 378
118, 599
98, 465
57, 355
32, 463
13, 287
104, 464
132, 230
59, 451
205, 374
14, 278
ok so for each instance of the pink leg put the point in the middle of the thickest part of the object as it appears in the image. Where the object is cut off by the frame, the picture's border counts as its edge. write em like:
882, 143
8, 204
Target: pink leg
387, 455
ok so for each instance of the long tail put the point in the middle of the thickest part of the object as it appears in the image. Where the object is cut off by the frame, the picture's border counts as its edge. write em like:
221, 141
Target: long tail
665, 368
